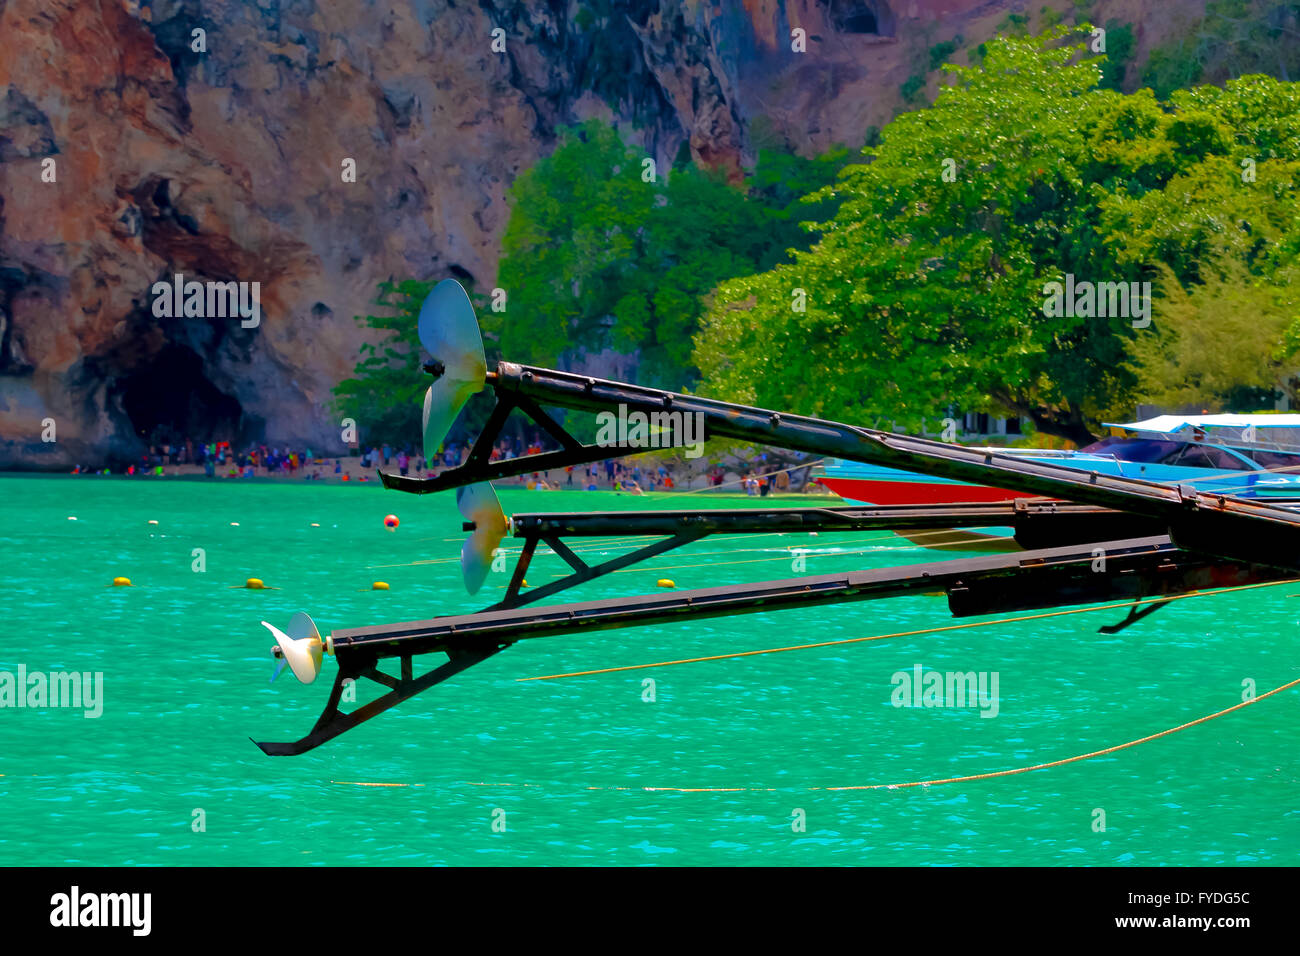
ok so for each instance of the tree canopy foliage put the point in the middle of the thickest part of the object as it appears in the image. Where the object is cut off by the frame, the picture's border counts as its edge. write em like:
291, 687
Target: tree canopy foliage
603, 251
1224, 342
925, 291
385, 396
1234, 38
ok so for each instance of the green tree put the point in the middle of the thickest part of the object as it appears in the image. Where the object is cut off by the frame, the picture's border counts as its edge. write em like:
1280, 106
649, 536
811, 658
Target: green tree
575, 235
596, 256
1234, 38
926, 289
925, 293
1216, 342
386, 393
1119, 51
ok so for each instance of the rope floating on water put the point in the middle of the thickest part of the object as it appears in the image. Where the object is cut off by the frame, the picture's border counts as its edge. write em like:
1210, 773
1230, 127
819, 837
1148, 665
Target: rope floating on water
914, 783
996, 773
924, 630
1078, 757
897, 786
363, 783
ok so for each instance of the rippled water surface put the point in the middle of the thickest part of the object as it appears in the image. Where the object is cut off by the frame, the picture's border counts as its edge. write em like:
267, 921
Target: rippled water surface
565, 764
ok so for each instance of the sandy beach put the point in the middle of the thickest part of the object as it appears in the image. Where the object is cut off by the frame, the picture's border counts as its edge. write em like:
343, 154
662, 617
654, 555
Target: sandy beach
692, 476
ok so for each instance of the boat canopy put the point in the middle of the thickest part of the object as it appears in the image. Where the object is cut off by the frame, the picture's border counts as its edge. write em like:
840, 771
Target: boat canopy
1166, 424
1252, 429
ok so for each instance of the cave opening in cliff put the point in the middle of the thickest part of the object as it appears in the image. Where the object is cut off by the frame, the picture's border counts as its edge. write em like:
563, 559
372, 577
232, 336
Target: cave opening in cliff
870, 17
170, 400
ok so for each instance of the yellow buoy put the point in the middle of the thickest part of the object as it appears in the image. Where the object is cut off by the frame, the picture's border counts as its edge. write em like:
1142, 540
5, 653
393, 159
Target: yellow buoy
666, 583
121, 582
255, 583
379, 586
523, 584
153, 520
315, 524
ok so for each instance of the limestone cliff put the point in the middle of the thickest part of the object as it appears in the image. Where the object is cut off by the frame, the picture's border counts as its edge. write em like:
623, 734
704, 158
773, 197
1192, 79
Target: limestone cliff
210, 138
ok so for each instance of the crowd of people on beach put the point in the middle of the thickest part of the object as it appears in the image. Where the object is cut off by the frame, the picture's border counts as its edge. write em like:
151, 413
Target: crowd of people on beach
220, 459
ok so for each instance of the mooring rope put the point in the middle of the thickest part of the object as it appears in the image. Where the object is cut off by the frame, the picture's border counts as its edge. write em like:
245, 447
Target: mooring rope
924, 630
940, 781
934, 782
1077, 757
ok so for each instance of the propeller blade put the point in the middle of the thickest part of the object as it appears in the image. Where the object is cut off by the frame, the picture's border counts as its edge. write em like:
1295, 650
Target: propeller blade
479, 504
300, 647
449, 332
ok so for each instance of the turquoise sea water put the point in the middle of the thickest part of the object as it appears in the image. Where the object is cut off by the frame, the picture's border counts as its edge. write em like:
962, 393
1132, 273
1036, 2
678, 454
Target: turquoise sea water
185, 685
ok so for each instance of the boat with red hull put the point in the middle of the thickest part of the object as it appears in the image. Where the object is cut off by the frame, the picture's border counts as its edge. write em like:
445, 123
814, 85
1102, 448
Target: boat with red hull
879, 491
1245, 455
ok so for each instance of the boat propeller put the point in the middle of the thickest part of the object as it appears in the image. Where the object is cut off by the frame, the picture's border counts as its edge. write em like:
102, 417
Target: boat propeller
449, 332
482, 512
300, 648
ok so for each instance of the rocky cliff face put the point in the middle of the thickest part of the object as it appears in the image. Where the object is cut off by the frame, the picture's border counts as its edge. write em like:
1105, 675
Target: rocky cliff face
141, 140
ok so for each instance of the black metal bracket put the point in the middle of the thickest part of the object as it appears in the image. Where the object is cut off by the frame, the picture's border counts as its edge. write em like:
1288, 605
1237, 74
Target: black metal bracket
333, 721
1038, 525
478, 465
582, 572
1048, 578
1218, 524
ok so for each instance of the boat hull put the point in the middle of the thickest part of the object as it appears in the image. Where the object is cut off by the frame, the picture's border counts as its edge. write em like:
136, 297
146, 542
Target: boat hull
862, 483
934, 492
